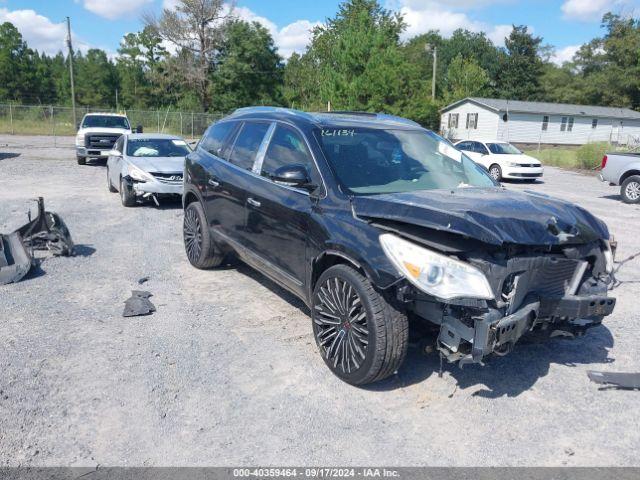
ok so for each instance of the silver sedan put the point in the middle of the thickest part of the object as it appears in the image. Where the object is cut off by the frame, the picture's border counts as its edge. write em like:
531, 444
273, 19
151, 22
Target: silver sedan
143, 166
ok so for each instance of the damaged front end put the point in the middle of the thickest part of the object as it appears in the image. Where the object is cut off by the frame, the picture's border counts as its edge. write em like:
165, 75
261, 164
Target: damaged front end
491, 266
551, 292
46, 232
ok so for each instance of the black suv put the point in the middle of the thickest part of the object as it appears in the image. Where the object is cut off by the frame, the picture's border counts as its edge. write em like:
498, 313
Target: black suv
375, 222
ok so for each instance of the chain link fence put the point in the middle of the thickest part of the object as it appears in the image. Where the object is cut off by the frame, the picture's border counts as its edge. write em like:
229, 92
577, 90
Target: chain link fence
58, 121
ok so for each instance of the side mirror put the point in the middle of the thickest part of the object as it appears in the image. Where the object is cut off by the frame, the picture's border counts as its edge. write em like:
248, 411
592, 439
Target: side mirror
292, 175
138, 129
78, 126
114, 153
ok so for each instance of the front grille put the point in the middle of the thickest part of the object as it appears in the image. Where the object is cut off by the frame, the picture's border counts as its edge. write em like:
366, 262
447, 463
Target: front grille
526, 175
168, 178
528, 165
101, 141
546, 277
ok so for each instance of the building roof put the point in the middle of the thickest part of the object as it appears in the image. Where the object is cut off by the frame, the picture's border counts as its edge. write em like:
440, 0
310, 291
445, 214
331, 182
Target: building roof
500, 105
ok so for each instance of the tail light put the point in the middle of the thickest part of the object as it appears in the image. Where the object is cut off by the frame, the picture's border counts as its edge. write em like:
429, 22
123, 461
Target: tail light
604, 162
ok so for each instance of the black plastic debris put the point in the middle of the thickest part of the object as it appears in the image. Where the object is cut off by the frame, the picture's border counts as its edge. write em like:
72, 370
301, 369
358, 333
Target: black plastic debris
143, 280
623, 380
139, 304
47, 231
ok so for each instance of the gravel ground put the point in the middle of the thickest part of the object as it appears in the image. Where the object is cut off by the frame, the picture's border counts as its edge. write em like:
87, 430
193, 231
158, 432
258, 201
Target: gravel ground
226, 371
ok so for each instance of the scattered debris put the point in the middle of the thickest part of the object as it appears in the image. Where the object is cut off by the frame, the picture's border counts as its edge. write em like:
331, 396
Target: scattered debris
143, 280
47, 231
630, 381
139, 304
569, 451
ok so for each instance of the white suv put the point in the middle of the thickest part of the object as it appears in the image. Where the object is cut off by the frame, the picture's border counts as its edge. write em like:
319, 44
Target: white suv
97, 133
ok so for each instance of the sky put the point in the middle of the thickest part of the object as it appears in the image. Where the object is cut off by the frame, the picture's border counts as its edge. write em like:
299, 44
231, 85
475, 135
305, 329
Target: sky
565, 24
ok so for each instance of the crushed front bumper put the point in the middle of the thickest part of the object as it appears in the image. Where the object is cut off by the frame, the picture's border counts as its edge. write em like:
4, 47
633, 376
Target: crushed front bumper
157, 188
470, 339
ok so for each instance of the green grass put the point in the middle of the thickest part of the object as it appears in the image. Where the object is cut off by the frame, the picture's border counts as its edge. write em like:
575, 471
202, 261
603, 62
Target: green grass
587, 157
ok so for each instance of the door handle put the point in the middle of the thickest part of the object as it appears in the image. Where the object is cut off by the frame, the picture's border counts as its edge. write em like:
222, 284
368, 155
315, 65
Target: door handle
253, 202
213, 183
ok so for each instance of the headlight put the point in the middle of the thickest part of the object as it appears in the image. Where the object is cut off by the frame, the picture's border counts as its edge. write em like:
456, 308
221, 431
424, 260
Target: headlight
80, 140
608, 256
513, 164
433, 273
138, 174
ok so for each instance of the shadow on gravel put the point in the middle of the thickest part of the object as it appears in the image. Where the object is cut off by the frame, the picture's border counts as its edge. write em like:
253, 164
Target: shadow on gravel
6, 156
510, 375
616, 197
267, 283
83, 250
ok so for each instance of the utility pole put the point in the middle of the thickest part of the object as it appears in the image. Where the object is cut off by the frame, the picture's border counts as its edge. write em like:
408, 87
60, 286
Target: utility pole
433, 49
73, 91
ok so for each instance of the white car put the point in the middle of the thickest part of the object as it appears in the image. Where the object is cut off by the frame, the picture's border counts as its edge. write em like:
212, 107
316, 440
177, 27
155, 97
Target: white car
502, 160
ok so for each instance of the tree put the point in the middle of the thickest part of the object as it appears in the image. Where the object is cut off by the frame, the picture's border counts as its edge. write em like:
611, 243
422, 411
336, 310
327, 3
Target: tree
249, 70
465, 78
197, 27
521, 68
97, 79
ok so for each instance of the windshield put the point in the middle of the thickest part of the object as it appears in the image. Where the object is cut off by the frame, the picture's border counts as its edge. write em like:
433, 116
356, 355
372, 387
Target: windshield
370, 161
105, 121
503, 149
153, 147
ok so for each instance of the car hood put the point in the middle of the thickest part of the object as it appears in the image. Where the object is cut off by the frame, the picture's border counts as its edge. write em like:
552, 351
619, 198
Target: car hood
104, 130
159, 164
492, 215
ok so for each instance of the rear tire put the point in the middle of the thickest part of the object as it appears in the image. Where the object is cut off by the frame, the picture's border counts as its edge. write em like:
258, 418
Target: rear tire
127, 197
199, 246
495, 172
630, 189
361, 337
81, 160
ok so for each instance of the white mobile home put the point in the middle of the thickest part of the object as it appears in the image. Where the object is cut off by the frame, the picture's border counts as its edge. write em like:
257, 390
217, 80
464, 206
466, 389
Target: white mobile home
541, 123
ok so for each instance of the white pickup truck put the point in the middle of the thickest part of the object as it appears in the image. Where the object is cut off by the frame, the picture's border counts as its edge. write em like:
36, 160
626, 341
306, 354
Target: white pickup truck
623, 169
98, 132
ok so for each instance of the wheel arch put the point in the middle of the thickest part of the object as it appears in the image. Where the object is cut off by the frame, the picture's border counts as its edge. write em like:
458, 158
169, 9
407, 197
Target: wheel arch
627, 174
188, 198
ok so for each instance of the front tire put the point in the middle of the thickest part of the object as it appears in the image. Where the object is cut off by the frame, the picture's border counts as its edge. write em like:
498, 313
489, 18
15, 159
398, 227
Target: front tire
201, 250
495, 172
127, 197
630, 189
361, 337
81, 160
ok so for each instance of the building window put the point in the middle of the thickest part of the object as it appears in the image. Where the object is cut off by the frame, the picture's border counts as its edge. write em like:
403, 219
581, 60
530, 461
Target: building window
472, 121
545, 123
563, 124
594, 123
570, 127
453, 120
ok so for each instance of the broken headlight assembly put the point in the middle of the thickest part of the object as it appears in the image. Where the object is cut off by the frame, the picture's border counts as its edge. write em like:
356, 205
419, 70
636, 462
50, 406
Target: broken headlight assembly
138, 174
433, 273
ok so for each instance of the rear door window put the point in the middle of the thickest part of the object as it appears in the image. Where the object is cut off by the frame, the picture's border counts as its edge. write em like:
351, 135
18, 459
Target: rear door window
287, 147
247, 144
466, 146
214, 139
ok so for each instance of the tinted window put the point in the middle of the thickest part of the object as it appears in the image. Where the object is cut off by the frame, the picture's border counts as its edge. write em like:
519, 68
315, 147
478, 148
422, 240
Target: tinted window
213, 140
372, 161
157, 147
105, 121
480, 148
287, 147
246, 147
466, 146
503, 149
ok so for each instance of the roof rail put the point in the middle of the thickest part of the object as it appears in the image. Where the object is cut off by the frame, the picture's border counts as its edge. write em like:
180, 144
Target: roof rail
261, 109
379, 116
